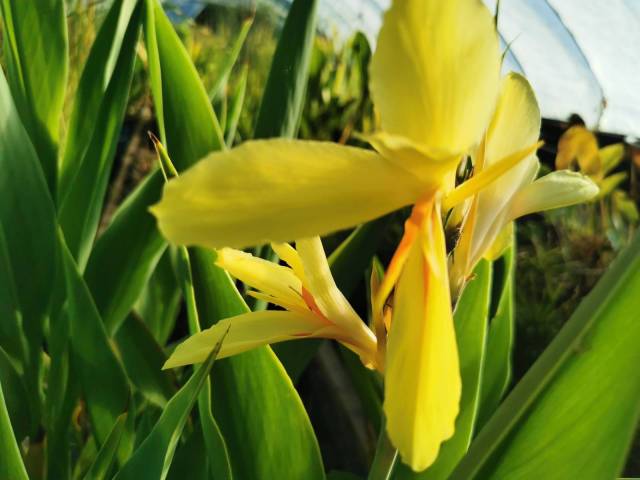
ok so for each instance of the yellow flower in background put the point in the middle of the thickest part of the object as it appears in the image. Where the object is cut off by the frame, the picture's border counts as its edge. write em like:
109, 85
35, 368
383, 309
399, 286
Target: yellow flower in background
486, 229
435, 82
312, 307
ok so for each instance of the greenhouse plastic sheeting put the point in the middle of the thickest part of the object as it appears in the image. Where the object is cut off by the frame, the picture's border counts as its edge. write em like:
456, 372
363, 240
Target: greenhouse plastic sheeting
581, 56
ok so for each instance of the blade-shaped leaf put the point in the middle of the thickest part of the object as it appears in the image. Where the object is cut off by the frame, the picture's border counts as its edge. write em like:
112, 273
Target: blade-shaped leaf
95, 127
283, 98
143, 358
101, 465
497, 367
153, 458
159, 301
15, 397
237, 103
574, 413
256, 406
11, 465
104, 383
36, 47
27, 229
132, 238
470, 319
230, 59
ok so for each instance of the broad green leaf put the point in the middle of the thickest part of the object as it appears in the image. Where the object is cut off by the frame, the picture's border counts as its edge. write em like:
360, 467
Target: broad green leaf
133, 239
256, 406
283, 97
95, 127
35, 47
178, 93
496, 373
12, 338
191, 456
214, 442
101, 465
27, 229
230, 59
574, 414
15, 397
159, 301
104, 383
153, 457
470, 319
142, 359
11, 465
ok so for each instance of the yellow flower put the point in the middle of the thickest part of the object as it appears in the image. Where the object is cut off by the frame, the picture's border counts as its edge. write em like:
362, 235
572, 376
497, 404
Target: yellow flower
486, 228
313, 307
435, 82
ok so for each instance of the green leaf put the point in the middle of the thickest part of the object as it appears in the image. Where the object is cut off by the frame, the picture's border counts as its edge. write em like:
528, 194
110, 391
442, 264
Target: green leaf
191, 456
178, 93
101, 465
256, 405
230, 59
103, 380
11, 466
496, 373
159, 302
385, 458
36, 48
153, 458
27, 232
470, 318
143, 358
283, 98
133, 238
237, 102
574, 413
16, 397
95, 126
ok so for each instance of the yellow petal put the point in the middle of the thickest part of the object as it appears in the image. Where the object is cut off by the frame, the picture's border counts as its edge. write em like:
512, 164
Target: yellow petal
433, 171
274, 280
434, 74
245, 332
289, 255
329, 299
579, 145
555, 190
422, 377
515, 126
611, 156
279, 190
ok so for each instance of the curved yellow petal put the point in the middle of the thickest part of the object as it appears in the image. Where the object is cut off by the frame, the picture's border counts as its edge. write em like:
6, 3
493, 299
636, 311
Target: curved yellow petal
422, 375
435, 72
555, 190
245, 332
268, 277
514, 127
289, 255
330, 300
279, 190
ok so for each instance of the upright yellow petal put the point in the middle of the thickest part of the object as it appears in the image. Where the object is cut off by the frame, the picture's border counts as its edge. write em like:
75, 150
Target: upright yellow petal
280, 190
515, 126
245, 332
275, 280
422, 376
435, 72
328, 297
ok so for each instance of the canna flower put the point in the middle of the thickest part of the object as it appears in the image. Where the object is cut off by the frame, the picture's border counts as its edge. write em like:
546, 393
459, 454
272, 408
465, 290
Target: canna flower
305, 290
435, 83
486, 230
